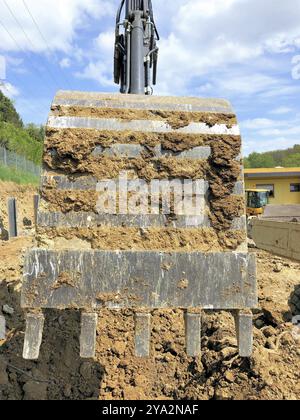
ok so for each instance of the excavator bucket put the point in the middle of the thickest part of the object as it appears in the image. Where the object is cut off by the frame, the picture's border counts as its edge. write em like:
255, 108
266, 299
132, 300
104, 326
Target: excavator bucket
142, 207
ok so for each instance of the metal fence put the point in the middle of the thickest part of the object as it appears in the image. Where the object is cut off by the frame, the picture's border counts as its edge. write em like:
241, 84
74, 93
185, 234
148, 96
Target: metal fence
18, 162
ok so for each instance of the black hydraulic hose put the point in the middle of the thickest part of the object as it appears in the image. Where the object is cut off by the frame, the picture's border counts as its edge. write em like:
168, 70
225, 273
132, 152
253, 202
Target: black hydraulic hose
156, 32
151, 52
120, 11
131, 57
121, 48
128, 61
152, 19
155, 69
147, 74
151, 10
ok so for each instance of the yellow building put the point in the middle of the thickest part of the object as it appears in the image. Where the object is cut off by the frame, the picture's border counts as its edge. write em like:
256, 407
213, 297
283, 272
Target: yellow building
283, 183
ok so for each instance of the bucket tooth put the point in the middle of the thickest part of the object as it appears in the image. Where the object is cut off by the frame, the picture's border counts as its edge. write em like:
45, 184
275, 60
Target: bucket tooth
12, 217
244, 332
142, 334
33, 336
88, 334
2, 328
193, 334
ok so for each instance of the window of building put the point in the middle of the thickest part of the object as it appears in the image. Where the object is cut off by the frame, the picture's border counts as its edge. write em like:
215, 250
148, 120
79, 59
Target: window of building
295, 188
268, 187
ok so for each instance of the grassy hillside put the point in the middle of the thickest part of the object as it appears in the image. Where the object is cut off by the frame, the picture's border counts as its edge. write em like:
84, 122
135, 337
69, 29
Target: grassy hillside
288, 158
19, 177
19, 141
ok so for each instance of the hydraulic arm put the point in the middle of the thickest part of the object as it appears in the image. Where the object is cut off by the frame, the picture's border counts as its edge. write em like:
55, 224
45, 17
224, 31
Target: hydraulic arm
142, 206
136, 52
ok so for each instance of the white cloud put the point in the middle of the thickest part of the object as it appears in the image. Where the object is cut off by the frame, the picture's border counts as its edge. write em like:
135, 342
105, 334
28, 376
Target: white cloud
97, 71
272, 126
210, 34
248, 84
199, 38
2, 67
238, 49
65, 63
259, 123
296, 67
9, 90
259, 144
271, 134
283, 131
58, 22
33, 109
281, 110
104, 43
100, 70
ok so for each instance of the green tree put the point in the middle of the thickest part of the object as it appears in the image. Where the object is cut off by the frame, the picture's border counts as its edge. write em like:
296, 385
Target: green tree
292, 161
287, 158
36, 132
8, 112
26, 141
19, 141
260, 160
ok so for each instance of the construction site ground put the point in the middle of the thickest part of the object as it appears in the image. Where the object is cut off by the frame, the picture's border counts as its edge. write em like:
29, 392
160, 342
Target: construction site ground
272, 373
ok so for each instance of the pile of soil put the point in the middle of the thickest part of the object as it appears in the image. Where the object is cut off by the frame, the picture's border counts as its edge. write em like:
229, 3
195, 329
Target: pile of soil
24, 196
136, 239
73, 153
272, 373
176, 119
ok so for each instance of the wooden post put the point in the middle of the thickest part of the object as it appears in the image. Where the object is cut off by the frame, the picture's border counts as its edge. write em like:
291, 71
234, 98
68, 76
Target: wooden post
12, 218
36, 199
5, 157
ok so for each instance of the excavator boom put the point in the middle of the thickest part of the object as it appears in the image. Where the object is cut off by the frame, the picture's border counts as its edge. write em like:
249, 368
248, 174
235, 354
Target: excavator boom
136, 52
142, 205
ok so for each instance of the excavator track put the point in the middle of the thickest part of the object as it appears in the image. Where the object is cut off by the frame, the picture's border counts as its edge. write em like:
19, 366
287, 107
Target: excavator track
142, 253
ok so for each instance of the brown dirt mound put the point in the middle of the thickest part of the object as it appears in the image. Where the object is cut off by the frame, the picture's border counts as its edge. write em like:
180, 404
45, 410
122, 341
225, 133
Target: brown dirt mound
222, 169
75, 143
145, 168
226, 209
175, 119
24, 196
272, 372
162, 239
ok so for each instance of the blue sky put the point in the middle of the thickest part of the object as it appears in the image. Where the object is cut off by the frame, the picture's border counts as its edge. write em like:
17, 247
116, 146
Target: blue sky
247, 51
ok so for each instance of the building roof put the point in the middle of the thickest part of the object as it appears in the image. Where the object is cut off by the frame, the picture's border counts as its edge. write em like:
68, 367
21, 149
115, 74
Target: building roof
256, 190
271, 172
